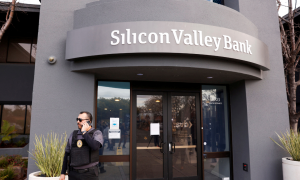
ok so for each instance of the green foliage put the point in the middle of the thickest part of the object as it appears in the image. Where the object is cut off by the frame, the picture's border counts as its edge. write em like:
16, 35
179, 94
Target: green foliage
49, 153
25, 161
290, 142
3, 162
21, 142
7, 130
7, 174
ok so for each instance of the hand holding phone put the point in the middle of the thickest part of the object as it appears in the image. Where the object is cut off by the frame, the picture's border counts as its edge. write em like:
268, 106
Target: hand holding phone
86, 126
89, 123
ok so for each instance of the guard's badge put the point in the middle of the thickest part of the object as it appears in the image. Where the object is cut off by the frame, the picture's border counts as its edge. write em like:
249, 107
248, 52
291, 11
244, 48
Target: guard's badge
79, 143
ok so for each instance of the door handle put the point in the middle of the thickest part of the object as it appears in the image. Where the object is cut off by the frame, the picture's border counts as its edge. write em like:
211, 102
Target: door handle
174, 147
170, 147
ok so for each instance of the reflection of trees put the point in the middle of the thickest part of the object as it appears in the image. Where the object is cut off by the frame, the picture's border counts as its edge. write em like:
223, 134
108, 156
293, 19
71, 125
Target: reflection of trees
184, 105
209, 95
110, 108
152, 106
15, 115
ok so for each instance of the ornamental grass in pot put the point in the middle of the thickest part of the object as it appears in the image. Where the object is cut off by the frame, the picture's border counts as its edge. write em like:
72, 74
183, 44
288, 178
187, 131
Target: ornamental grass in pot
290, 142
48, 156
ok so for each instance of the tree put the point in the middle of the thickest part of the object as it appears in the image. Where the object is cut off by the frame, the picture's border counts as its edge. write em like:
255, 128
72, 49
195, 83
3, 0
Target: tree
290, 42
9, 17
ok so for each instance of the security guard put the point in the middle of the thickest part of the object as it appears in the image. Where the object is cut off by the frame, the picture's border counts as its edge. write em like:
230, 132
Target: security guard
83, 148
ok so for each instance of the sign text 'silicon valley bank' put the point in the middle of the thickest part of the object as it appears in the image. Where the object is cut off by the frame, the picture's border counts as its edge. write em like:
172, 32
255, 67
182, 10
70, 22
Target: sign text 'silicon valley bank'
196, 38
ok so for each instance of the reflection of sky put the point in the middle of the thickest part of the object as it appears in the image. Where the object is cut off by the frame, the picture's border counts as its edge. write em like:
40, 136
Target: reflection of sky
142, 98
108, 92
209, 93
14, 107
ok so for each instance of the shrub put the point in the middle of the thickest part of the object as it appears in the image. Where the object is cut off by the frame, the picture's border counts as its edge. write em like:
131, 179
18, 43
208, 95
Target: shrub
49, 153
3, 162
25, 163
15, 160
21, 142
7, 130
290, 142
7, 174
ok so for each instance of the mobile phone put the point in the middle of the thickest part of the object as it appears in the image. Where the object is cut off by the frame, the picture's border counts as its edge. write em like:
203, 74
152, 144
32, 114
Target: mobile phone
89, 123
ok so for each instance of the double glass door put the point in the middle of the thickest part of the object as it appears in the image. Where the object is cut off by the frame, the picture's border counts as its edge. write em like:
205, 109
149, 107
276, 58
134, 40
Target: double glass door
166, 135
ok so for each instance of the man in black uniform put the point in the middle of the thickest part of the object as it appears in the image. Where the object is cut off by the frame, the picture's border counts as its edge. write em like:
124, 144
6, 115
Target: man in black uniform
83, 148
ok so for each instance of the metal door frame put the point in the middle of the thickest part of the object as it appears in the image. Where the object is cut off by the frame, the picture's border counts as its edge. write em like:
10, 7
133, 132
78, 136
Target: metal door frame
167, 126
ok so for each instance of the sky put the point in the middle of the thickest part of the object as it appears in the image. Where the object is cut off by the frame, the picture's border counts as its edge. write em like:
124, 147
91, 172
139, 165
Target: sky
283, 10
25, 1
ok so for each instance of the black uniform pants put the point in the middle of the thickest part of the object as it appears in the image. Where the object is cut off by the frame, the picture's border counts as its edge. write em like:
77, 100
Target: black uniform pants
92, 174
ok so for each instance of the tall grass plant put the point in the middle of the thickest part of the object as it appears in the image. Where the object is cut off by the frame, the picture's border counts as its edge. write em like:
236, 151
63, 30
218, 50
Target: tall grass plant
290, 142
49, 153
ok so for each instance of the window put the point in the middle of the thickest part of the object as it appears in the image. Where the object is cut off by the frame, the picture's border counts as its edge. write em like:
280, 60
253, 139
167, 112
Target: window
217, 1
216, 136
18, 50
17, 115
113, 112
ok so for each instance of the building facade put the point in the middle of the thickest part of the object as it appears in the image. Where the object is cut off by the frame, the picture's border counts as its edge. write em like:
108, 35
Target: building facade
180, 89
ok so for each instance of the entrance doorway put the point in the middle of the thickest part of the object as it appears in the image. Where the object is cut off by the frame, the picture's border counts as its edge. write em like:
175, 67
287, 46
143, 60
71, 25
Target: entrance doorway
166, 135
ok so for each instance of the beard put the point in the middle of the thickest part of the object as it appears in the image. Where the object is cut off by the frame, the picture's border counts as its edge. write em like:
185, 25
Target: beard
79, 126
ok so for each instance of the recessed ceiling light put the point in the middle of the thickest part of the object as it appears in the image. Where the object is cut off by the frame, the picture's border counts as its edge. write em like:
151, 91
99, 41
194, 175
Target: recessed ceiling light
140, 74
209, 77
157, 101
120, 109
105, 109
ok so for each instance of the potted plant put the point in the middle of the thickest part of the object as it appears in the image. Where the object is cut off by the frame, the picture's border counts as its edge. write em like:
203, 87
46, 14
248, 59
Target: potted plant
48, 156
290, 142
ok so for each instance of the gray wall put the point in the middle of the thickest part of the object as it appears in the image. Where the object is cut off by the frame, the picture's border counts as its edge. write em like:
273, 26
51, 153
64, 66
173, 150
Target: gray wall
239, 127
58, 94
16, 82
266, 101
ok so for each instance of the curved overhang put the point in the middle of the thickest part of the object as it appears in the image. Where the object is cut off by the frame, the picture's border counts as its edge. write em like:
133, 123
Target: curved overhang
166, 67
161, 37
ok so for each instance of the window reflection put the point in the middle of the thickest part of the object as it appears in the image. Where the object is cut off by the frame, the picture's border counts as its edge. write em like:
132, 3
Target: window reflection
33, 50
15, 115
149, 159
215, 119
28, 119
113, 101
115, 170
184, 135
19, 50
216, 168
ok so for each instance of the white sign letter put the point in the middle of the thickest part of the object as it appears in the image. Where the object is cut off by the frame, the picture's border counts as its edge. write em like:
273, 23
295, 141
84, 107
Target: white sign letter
227, 41
140, 38
188, 40
128, 36
162, 37
177, 39
150, 38
248, 47
208, 39
217, 43
115, 37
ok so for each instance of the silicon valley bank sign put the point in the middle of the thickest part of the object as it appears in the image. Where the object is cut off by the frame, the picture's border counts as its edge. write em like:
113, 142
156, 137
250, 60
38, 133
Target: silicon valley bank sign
178, 36
166, 37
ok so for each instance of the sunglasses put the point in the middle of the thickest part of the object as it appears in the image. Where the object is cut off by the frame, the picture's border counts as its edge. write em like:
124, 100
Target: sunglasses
80, 120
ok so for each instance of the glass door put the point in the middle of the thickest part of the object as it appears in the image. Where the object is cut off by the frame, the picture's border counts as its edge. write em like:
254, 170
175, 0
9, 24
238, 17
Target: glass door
165, 132
184, 135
